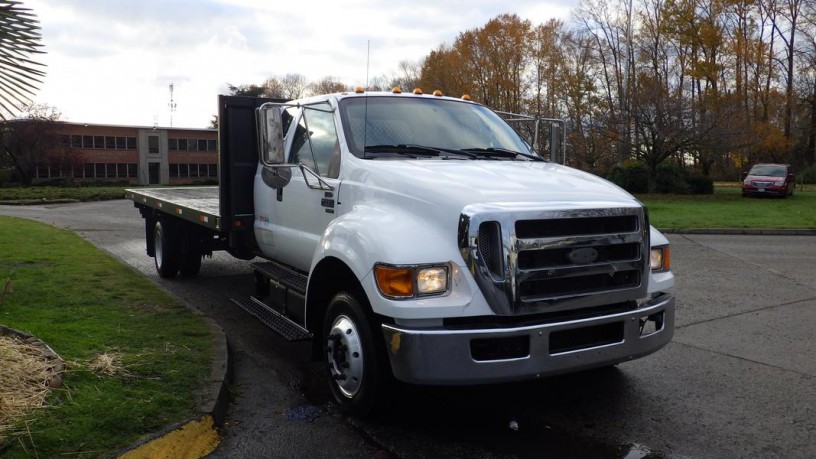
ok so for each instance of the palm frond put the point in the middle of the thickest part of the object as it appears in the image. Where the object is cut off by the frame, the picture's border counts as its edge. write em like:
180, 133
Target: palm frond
19, 38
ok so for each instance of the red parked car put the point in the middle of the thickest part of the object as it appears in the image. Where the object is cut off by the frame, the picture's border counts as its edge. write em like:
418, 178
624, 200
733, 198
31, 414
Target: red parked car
769, 180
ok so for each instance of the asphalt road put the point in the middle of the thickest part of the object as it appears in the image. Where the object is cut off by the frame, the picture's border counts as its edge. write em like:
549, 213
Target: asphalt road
738, 380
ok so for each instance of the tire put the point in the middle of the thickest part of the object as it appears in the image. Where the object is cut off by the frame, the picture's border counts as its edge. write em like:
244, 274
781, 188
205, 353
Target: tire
190, 264
358, 373
167, 257
190, 259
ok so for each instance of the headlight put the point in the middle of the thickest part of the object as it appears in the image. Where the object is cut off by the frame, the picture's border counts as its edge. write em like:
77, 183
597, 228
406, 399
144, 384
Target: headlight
779, 183
660, 258
403, 282
432, 280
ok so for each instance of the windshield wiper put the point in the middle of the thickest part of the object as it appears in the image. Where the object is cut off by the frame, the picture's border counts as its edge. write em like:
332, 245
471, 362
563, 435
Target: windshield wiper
403, 149
415, 151
502, 152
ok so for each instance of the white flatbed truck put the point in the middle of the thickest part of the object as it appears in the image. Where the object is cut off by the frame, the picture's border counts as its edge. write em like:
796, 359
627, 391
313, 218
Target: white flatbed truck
419, 238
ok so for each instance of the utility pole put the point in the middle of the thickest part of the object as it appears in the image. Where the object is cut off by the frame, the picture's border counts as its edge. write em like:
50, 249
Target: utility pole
171, 105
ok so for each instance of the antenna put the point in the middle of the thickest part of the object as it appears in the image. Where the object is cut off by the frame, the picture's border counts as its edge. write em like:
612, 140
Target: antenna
365, 114
368, 62
171, 105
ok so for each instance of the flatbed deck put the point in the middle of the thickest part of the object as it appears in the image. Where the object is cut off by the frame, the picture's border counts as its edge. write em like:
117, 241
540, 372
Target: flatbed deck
199, 205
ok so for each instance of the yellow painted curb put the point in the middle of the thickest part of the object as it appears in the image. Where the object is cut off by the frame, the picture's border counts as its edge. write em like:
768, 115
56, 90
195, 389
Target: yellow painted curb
193, 440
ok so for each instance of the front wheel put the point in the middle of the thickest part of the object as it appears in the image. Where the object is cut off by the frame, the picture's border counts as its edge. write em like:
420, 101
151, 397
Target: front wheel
358, 373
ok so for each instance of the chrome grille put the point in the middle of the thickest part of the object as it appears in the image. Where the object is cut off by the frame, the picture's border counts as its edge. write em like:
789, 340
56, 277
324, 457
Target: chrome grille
541, 261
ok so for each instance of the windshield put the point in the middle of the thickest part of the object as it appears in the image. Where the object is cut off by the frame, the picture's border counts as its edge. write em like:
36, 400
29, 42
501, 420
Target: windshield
435, 123
768, 171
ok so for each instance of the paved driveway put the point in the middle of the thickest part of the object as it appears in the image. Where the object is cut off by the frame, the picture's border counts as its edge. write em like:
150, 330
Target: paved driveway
738, 380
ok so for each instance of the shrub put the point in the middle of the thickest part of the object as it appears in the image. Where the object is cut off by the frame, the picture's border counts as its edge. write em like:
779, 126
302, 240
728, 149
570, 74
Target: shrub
59, 182
5, 176
807, 175
700, 184
671, 179
632, 177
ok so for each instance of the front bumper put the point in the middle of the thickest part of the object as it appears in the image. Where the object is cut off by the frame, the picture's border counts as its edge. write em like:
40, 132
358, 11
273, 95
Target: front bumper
445, 356
750, 190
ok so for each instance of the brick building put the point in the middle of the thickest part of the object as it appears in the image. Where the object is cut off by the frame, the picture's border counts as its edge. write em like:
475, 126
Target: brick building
137, 155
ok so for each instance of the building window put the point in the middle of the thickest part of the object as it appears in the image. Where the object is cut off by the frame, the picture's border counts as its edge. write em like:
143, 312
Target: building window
99, 142
87, 141
131, 143
212, 145
121, 170
192, 145
193, 170
213, 170
202, 145
152, 144
120, 143
110, 143
89, 170
76, 141
172, 144
111, 168
174, 170
132, 170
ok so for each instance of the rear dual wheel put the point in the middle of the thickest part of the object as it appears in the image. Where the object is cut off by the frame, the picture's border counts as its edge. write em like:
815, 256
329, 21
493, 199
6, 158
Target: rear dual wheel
167, 256
170, 259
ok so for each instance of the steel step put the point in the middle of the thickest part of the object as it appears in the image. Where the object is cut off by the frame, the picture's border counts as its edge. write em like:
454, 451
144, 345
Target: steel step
273, 319
282, 275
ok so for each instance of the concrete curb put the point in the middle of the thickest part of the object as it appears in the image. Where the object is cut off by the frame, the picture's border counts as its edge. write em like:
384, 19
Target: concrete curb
196, 436
740, 231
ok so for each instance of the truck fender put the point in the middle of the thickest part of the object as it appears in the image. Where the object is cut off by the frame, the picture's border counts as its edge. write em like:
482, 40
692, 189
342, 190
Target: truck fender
372, 234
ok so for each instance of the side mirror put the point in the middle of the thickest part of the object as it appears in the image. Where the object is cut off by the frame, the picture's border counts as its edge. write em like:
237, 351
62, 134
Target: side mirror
276, 177
270, 134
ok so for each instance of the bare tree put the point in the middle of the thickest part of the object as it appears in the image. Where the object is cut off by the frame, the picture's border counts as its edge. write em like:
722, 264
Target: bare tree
33, 140
327, 85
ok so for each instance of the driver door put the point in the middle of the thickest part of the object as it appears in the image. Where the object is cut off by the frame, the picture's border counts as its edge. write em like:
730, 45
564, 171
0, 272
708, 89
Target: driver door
297, 214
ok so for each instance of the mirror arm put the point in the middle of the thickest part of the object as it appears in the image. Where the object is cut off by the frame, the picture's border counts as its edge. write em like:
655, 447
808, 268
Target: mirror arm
322, 183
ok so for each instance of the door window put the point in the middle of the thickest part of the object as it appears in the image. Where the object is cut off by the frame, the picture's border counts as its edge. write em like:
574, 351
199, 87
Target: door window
315, 143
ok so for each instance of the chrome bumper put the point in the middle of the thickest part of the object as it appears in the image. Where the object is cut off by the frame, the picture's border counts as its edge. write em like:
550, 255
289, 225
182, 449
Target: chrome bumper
444, 356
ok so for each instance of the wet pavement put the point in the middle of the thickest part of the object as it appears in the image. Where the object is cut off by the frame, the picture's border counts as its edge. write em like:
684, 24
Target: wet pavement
738, 380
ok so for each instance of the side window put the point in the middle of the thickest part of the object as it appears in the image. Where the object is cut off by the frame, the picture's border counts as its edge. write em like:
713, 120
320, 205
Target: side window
315, 143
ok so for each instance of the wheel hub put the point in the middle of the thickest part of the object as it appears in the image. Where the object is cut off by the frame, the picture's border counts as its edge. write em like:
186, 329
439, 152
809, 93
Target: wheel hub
345, 355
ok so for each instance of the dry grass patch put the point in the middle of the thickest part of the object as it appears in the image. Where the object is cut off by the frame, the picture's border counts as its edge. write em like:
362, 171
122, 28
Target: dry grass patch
108, 364
25, 380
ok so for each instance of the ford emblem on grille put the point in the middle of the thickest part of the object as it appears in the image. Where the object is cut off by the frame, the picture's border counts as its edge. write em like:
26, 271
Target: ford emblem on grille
583, 256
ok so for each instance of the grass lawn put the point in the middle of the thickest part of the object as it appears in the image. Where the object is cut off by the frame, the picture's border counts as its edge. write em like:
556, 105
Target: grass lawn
726, 208
84, 303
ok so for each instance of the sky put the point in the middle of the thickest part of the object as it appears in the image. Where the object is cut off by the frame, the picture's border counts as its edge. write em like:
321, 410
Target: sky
113, 61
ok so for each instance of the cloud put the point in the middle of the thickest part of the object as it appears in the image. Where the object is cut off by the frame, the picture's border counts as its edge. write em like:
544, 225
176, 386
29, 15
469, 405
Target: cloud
111, 61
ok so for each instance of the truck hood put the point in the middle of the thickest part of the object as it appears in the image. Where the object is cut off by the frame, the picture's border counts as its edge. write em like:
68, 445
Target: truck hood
459, 183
